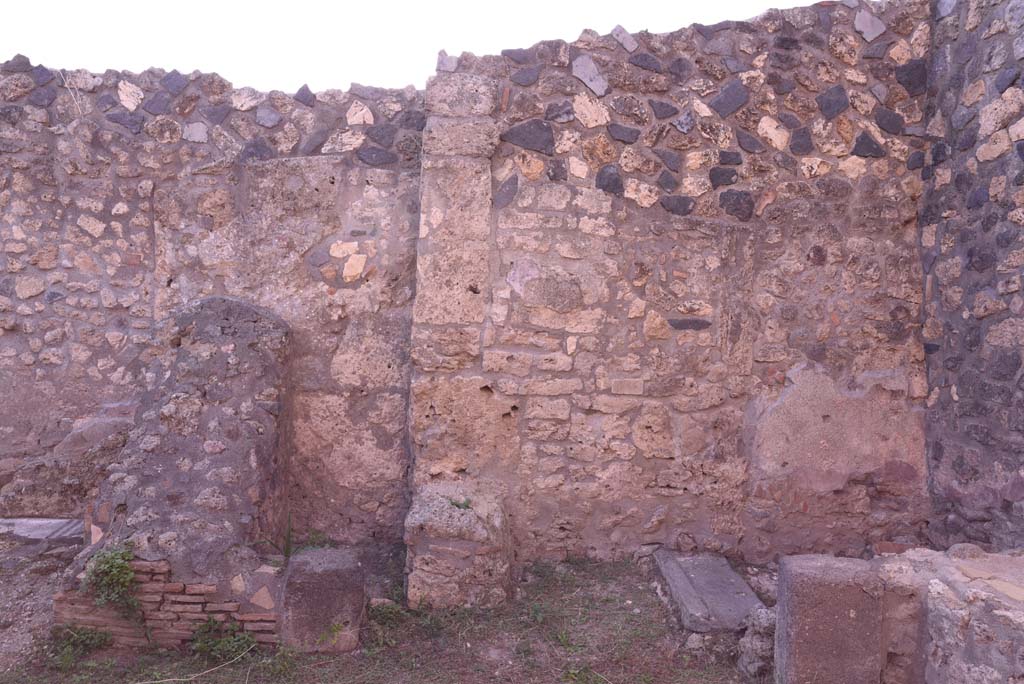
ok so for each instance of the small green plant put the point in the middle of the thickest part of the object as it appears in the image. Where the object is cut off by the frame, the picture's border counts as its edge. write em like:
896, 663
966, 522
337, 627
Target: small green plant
385, 620
70, 644
281, 666
464, 505
582, 675
221, 642
110, 578
316, 540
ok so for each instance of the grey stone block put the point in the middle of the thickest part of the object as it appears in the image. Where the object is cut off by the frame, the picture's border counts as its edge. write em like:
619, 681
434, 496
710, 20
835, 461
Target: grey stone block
709, 595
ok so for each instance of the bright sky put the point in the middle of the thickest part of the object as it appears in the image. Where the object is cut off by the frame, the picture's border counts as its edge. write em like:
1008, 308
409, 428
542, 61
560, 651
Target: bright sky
328, 44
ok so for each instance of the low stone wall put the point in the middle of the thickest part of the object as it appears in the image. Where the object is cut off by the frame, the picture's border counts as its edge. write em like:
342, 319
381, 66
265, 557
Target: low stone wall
921, 616
169, 612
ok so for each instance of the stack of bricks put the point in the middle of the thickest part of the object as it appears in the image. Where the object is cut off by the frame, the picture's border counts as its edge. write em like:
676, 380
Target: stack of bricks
170, 612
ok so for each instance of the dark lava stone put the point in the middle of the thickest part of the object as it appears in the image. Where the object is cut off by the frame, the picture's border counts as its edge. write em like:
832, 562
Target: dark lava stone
680, 67
559, 112
1006, 78
157, 103
645, 61
915, 160
790, 121
733, 96
506, 192
17, 64
519, 56
800, 142
967, 137
376, 156
42, 97
940, 152
889, 121
130, 120
534, 134
305, 96
667, 182
257, 149
689, 323
833, 102
412, 119
382, 134
787, 43
11, 114
557, 170
41, 75
174, 83
738, 203
1020, 149
723, 175
623, 133
876, 50
672, 159
527, 76
729, 158
610, 180
866, 146
663, 110
680, 205
961, 117
106, 102
978, 198
781, 86
314, 141
749, 143
913, 76
216, 114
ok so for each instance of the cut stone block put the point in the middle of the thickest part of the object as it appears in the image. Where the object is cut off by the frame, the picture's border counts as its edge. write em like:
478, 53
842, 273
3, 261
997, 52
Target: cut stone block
708, 593
458, 547
324, 601
43, 529
829, 628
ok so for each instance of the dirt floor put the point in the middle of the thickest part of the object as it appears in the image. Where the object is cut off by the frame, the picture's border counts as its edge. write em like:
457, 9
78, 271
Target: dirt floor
587, 623
28, 581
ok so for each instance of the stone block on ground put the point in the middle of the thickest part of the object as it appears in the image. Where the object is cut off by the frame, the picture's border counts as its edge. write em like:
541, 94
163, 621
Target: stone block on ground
43, 529
829, 624
324, 601
709, 595
459, 549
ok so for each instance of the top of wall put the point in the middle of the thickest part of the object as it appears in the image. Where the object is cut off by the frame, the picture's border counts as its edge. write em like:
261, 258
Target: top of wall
205, 113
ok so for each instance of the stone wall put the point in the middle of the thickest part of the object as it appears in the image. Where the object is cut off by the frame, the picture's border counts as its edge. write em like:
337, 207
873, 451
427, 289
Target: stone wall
126, 196
636, 290
970, 226
668, 289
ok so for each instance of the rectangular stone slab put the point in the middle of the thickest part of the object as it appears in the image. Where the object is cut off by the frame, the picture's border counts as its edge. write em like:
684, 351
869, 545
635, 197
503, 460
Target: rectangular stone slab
709, 595
829, 628
39, 529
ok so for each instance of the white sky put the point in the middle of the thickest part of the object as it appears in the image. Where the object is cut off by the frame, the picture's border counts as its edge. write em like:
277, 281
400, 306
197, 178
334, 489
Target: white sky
281, 45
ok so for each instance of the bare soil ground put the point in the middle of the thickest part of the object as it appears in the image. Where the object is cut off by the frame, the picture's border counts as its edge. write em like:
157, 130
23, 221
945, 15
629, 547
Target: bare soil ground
28, 581
584, 623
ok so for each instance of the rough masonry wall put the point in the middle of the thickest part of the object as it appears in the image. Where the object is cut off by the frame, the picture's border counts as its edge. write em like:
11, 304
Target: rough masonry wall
973, 253
675, 301
126, 196
636, 290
